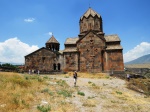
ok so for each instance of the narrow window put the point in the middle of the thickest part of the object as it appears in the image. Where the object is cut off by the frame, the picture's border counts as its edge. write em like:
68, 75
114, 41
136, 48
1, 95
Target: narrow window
54, 66
58, 66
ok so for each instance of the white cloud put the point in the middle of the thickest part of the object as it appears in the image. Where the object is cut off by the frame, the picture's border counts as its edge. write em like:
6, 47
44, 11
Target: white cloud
29, 20
50, 33
138, 51
13, 50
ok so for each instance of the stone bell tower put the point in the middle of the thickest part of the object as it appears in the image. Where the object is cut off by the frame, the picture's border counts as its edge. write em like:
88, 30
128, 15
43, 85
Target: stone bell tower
52, 44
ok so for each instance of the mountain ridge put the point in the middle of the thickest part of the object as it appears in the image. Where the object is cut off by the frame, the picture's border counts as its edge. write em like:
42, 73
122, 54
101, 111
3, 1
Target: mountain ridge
140, 60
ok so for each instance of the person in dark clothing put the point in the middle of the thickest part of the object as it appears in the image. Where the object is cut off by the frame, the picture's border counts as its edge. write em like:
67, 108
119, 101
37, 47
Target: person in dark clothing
75, 77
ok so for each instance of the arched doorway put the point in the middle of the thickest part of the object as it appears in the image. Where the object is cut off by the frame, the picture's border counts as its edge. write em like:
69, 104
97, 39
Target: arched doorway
58, 66
54, 66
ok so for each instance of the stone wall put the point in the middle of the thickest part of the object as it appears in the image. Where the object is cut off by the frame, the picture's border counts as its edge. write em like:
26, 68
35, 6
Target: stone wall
43, 60
71, 61
90, 48
113, 60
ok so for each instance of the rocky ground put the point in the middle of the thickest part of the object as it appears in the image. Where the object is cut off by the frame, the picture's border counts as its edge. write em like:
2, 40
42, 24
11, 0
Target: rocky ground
104, 95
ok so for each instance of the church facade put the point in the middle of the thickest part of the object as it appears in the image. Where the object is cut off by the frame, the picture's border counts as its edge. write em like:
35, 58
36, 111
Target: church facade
90, 51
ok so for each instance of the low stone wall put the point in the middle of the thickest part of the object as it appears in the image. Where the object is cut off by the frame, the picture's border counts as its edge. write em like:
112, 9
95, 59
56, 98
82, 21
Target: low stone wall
140, 71
119, 74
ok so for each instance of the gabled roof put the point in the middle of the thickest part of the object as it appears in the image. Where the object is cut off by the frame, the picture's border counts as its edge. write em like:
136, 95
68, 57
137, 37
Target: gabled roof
112, 38
71, 40
38, 51
52, 40
89, 12
93, 33
70, 49
114, 47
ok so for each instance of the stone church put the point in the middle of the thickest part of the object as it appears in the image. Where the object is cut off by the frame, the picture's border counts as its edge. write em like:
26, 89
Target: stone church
90, 51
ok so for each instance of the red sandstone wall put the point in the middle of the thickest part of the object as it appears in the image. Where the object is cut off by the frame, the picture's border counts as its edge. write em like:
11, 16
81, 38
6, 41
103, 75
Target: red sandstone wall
91, 24
90, 48
71, 61
113, 61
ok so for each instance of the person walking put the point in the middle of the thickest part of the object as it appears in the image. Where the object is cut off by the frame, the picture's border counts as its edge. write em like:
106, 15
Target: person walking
75, 78
29, 71
128, 77
38, 72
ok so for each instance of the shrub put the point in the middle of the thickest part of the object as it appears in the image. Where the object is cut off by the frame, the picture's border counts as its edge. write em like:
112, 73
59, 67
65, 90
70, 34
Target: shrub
89, 82
44, 108
46, 90
89, 97
88, 105
81, 93
93, 84
16, 99
66, 76
118, 92
62, 83
65, 93
45, 77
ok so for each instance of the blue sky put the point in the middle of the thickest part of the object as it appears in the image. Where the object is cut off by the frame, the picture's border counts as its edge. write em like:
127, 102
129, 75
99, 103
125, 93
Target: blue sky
25, 25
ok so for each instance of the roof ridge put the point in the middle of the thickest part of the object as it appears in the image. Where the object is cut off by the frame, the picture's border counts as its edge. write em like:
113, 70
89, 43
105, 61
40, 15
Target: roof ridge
89, 12
52, 40
112, 35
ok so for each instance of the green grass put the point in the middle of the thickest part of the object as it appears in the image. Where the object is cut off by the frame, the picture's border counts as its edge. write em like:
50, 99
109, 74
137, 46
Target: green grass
44, 108
93, 84
118, 92
89, 97
46, 90
62, 83
88, 105
66, 77
89, 82
65, 93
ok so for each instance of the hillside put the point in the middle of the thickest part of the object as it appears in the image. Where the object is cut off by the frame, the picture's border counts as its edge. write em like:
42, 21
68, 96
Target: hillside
141, 60
146, 65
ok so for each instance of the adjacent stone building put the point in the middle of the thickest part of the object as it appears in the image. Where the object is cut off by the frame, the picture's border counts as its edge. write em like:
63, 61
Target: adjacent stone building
90, 51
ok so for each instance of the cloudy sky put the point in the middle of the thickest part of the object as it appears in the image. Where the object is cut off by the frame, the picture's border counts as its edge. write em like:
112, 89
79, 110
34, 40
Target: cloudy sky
25, 25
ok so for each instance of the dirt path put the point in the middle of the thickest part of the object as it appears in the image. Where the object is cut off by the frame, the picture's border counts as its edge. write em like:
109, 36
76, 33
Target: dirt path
105, 95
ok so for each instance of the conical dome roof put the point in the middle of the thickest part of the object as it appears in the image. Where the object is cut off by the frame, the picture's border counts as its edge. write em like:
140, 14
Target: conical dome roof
89, 12
52, 40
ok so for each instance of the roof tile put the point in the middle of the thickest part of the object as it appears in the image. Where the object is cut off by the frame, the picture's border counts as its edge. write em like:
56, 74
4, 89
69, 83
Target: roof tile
52, 40
89, 12
71, 40
111, 38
